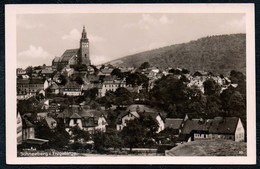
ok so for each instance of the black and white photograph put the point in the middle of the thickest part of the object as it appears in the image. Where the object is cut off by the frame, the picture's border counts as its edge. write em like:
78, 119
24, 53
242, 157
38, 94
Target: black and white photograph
130, 84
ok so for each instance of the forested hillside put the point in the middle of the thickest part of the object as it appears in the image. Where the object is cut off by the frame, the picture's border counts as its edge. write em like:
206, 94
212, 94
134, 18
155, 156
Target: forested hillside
218, 54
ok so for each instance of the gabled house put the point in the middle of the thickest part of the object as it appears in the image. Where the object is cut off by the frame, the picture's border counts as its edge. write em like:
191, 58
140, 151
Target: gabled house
111, 85
230, 128
135, 111
54, 88
175, 124
72, 89
85, 119
50, 122
28, 129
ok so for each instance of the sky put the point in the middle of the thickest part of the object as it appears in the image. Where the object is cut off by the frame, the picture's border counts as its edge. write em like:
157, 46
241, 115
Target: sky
41, 37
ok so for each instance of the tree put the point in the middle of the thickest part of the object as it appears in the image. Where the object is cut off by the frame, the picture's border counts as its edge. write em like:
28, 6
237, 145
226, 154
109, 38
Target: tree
211, 87
123, 97
62, 80
79, 135
29, 71
137, 79
79, 80
117, 72
237, 105
144, 65
91, 93
133, 133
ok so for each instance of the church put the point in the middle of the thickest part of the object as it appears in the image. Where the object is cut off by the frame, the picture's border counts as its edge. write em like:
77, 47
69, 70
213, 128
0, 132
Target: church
74, 57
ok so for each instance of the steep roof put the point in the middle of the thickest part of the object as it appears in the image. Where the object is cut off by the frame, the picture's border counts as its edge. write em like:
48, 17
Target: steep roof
56, 59
75, 116
50, 121
27, 123
72, 85
68, 54
173, 123
196, 125
225, 125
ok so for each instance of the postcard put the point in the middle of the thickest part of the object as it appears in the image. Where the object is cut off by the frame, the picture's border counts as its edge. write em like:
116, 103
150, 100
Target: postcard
130, 84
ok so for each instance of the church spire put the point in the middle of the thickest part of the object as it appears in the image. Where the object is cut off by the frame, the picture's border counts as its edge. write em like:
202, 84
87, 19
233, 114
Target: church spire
83, 34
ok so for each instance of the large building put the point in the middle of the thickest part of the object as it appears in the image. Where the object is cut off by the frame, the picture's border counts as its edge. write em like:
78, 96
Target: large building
72, 57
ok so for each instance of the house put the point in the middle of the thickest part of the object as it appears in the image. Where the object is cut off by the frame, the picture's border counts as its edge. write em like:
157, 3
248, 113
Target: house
124, 117
54, 88
196, 129
230, 128
111, 85
20, 71
175, 124
19, 126
136, 111
47, 72
50, 122
85, 119
28, 129
43, 104
72, 89
31, 86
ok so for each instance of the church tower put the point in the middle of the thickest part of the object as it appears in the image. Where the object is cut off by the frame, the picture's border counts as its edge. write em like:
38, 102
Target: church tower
84, 48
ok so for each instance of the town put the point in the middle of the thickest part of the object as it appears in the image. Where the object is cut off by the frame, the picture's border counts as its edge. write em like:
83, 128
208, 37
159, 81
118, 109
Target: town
74, 106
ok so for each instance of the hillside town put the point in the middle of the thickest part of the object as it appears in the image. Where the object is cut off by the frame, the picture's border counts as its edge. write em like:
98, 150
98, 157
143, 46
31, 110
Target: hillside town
74, 106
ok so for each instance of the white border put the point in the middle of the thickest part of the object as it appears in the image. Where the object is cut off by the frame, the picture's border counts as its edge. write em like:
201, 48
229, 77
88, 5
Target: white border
10, 33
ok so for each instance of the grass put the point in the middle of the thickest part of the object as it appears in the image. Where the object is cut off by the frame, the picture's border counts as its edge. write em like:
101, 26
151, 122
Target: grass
209, 148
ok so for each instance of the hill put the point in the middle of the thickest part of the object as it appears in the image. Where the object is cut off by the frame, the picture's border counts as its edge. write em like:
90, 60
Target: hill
218, 54
210, 148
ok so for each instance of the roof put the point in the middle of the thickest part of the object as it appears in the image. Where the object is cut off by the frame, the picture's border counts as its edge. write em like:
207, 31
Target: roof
54, 86
37, 81
27, 123
50, 121
36, 141
75, 116
68, 54
225, 125
140, 108
77, 112
196, 125
56, 59
46, 71
23, 81
173, 123
72, 85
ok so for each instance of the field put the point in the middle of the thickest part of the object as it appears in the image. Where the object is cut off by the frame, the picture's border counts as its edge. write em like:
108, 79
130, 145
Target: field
209, 148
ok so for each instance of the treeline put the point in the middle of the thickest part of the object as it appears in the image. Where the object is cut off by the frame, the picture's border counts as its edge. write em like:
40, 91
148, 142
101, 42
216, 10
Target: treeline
217, 54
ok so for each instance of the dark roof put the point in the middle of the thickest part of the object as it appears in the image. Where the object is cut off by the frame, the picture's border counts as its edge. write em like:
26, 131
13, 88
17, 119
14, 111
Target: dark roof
50, 121
196, 125
37, 81
54, 86
27, 123
23, 81
72, 85
68, 54
225, 125
173, 123
81, 112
